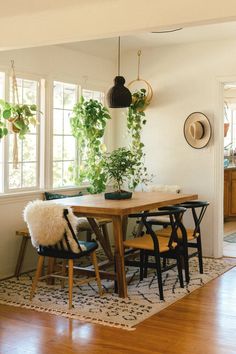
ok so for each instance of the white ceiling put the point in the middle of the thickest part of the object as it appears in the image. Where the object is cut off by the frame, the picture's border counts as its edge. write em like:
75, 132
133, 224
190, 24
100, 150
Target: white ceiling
107, 48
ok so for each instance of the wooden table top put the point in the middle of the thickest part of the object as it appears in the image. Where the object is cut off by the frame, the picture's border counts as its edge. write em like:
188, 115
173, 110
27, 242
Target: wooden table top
98, 205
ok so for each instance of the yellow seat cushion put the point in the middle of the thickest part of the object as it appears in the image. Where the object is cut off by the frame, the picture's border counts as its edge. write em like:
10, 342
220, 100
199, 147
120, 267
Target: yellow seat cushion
146, 243
166, 233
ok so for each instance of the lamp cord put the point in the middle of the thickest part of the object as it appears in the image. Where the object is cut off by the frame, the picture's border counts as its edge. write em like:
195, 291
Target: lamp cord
119, 56
139, 55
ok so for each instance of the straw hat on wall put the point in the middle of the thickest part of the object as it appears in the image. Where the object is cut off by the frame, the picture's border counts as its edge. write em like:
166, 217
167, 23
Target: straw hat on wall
197, 130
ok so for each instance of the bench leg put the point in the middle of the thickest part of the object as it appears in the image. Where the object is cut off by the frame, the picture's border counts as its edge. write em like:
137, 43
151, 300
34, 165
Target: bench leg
21, 256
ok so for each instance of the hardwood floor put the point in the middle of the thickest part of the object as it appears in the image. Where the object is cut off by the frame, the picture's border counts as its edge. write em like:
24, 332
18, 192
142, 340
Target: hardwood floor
203, 322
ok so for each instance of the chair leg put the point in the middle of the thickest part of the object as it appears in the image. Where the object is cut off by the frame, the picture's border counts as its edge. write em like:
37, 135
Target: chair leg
95, 264
199, 247
141, 265
186, 264
180, 273
106, 237
159, 276
70, 266
63, 273
145, 265
37, 276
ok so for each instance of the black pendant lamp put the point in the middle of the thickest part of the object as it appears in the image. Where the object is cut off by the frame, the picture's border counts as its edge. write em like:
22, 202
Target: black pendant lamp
119, 96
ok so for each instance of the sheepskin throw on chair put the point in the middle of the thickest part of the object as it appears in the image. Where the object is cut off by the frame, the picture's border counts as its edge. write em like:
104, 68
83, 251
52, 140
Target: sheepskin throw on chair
47, 225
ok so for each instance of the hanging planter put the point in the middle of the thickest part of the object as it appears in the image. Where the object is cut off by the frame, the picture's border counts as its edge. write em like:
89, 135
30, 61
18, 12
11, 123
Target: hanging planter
141, 97
16, 118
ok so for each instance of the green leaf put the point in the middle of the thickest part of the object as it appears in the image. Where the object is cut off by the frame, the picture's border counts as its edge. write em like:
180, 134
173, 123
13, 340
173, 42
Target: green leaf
6, 113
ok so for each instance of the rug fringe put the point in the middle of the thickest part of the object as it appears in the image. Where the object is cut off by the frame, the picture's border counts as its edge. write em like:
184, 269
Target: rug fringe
67, 315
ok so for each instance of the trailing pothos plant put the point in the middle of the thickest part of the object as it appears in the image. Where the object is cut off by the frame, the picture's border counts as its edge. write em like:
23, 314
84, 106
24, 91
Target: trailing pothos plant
17, 117
136, 119
88, 124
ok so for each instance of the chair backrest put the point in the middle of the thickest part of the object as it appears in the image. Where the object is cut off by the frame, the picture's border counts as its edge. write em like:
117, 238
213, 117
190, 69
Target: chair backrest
175, 214
51, 224
198, 209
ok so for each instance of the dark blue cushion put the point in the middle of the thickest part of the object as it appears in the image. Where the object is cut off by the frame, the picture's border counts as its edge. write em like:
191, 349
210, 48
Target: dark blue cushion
58, 253
51, 196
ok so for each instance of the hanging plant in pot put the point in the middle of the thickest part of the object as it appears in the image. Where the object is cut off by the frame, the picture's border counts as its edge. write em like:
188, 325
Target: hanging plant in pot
88, 124
16, 118
119, 166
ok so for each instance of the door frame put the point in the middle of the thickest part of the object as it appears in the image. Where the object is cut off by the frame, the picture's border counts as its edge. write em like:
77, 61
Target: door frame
218, 211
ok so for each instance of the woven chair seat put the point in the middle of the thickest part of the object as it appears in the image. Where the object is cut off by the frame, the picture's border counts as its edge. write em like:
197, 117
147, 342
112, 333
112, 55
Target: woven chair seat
146, 243
166, 233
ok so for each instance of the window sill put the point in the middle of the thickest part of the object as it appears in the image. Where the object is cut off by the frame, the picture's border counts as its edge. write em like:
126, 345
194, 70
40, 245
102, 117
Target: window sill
25, 195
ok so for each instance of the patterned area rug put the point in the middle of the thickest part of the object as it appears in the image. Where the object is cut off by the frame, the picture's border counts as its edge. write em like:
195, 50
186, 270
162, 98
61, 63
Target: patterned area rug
230, 238
109, 309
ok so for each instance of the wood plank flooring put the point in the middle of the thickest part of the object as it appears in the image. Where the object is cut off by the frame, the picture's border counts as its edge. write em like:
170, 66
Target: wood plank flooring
203, 322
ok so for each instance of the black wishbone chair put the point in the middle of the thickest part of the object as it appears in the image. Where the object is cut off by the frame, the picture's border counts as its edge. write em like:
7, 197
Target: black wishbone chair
149, 244
198, 209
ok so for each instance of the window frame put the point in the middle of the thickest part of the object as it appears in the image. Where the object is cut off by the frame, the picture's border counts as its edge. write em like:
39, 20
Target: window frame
44, 136
40, 98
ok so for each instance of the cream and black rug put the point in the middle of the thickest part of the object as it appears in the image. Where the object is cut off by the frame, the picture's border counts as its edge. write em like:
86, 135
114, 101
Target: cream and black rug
109, 309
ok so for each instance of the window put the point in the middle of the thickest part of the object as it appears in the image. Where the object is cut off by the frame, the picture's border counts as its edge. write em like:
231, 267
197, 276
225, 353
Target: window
95, 95
64, 147
29, 174
26, 175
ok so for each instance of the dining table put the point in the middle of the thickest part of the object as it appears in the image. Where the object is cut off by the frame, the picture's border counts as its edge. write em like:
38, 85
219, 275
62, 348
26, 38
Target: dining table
93, 206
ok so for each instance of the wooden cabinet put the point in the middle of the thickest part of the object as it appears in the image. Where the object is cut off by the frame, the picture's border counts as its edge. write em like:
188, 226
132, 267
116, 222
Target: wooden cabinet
230, 192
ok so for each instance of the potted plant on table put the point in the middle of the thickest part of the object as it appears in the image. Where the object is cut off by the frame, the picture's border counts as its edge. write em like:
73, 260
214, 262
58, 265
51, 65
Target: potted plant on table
119, 166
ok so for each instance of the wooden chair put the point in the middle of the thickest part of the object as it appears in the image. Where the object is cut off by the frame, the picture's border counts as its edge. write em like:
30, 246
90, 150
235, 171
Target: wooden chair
99, 228
149, 244
193, 235
63, 250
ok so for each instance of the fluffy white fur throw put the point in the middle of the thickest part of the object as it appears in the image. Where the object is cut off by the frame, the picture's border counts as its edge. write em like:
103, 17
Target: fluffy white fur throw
47, 225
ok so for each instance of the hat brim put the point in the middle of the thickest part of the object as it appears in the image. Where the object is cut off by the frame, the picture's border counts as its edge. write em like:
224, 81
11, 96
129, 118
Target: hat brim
202, 118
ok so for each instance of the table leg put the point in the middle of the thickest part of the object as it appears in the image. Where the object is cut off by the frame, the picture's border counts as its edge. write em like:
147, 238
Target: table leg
119, 255
124, 226
100, 238
21, 255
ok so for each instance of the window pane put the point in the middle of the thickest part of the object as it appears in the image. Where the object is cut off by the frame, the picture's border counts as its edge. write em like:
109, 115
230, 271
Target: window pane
10, 146
29, 92
57, 174
29, 175
69, 148
66, 174
29, 151
25, 176
14, 176
58, 95
57, 147
57, 121
69, 96
67, 127
64, 145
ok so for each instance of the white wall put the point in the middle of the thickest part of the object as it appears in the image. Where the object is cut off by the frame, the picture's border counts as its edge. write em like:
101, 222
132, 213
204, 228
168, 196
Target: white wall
184, 79
49, 63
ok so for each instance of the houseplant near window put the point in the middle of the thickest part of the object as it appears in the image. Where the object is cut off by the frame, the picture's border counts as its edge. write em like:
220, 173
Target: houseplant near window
88, 124
120, 167
17, 117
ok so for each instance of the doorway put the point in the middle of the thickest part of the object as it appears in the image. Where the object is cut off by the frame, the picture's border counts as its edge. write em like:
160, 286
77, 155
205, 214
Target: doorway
229, 243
